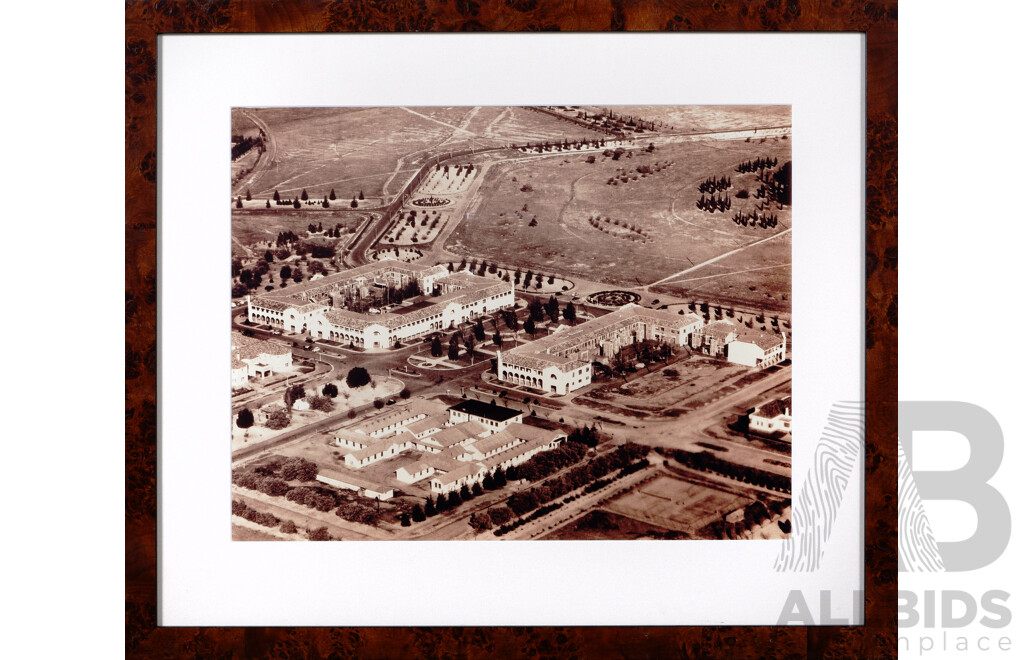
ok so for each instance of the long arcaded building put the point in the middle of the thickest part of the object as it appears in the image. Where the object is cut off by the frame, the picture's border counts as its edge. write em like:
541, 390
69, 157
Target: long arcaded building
561, 362
319, 308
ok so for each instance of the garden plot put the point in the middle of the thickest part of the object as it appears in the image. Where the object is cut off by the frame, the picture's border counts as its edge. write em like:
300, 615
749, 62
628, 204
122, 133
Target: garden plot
416, 226
448, 180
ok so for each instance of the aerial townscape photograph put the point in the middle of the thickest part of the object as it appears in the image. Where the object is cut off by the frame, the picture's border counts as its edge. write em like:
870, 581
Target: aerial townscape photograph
528, 323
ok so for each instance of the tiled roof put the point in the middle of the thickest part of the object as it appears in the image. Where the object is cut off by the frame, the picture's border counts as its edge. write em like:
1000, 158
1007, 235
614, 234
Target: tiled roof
494, 441
250, 348
426, 425
463, 470
352, 479
270, 303
720, 329
549, 351
763, 340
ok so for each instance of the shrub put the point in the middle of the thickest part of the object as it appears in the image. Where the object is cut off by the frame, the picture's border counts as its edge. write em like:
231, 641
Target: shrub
319, 534
278, 420
288, 527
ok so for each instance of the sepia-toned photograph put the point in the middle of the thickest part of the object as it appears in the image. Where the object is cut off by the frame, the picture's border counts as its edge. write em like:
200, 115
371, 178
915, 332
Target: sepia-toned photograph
525, 323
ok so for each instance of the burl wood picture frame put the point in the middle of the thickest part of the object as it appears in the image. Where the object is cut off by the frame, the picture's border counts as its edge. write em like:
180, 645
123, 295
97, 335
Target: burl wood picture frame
145, 20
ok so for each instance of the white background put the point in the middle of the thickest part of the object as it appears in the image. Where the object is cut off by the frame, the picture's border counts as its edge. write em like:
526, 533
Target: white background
207, 579
959, 106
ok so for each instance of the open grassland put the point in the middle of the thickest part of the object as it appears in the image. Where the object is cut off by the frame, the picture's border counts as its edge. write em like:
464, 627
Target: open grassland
640, 228
761, 276
257, 226
375, 150
703, 118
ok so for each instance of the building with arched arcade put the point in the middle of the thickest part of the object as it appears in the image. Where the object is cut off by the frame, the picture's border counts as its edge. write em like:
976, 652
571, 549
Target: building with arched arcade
333, 307
561, 362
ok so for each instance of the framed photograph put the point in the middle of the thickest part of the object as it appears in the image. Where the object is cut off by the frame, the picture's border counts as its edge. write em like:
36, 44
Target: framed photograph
547, 334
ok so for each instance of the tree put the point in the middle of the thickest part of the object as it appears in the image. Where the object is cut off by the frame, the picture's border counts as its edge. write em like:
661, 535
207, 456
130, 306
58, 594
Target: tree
453, 348
417, 513
296, 205
330, 389
354, 203
436, 350
303, 196
286, 272
477, 489
331, 196
319, 534
536, 310
361, 195
297, 274
529, 326
470, 341
570, 313
248, 195
497, 339
378, 403
405, 393
430, 509
268, 206
238, 203
245, 419
464, 493
357, 377
277, 196
478, 329
288, 527
293, 394
481, 521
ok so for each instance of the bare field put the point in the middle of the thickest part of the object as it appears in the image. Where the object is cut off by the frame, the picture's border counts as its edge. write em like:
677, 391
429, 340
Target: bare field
676, 504
702, 118
375, 150
660, 230
761, 276
257, 226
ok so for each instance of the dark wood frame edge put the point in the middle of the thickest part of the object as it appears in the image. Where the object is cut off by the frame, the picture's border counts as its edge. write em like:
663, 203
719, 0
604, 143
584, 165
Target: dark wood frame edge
145, 19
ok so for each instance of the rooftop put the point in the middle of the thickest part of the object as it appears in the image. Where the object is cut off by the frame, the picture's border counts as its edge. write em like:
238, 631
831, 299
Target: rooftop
489, 411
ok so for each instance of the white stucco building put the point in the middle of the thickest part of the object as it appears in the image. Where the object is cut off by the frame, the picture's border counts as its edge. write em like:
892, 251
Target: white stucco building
318, 309
561, 362
255, 358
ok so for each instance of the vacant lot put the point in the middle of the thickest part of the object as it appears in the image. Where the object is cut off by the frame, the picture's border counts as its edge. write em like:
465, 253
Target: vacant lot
257, 226
641, 227
760, 277
676, 504
375, 150
702, 118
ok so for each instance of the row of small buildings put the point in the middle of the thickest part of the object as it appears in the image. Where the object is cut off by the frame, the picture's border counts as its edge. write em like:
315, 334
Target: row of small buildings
317, 308
447, 448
